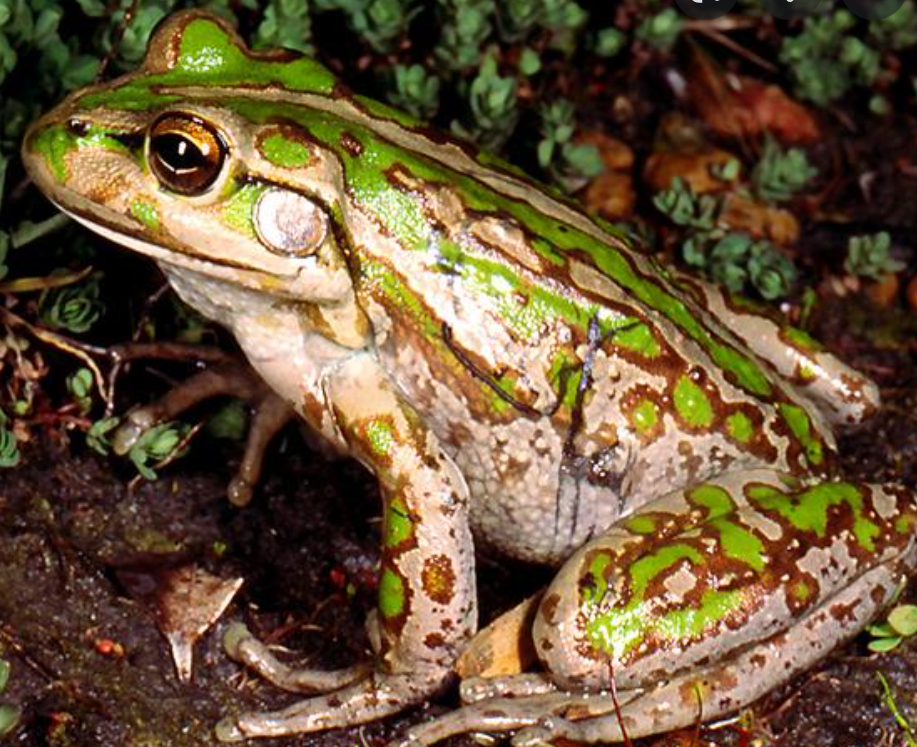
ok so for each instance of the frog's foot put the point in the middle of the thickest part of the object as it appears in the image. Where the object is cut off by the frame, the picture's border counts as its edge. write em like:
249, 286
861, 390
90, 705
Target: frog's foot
372, 696
244, 648
377, 696
227, 378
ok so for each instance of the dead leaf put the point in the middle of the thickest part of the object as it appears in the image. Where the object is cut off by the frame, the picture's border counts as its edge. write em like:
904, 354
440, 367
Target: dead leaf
611, 195
695, 168
190, 601
744, 107
760, 220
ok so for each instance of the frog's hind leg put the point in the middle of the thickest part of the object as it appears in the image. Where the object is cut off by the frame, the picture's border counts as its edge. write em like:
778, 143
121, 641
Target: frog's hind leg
592, 716
842, 394
700, 604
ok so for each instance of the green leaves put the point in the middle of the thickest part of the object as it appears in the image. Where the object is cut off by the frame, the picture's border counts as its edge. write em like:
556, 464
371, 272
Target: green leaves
683, 208
416, 90
901, 623
780, 174
286, 23
73, 308
662, 30
731, 258
494, 106
828, 58
9, 714
558, 155
868, 256
159, 443
9, 446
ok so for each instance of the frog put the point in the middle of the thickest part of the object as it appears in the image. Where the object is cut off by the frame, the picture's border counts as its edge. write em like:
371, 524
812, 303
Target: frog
519, 376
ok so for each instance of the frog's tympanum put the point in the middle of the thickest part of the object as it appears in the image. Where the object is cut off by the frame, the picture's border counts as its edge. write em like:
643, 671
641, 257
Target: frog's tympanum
517, 376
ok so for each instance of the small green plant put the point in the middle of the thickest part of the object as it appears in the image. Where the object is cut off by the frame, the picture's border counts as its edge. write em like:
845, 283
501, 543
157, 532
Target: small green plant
9, 714
516, 19
286, 23
898, 31
868, 256
97, 437
9, 446
494, 106
466, 26
558, 155
610, 42
827, 59
563, 19
80, 384
901, 623
731, 258
416, 90
681, 206
73, 308
382, 23
156, 444
910, 738
780, 174
661, 30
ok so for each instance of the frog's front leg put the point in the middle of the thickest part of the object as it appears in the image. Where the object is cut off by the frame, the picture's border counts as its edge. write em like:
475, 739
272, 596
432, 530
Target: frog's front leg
698, 605
427, 602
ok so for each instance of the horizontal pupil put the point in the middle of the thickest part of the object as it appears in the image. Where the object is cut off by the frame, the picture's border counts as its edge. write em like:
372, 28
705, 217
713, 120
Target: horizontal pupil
179, 153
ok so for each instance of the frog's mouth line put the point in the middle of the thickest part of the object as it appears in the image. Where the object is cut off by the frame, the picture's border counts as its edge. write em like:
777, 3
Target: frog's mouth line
229, 271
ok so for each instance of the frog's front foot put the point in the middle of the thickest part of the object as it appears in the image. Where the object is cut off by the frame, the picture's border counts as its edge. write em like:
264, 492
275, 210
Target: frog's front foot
352, 696
225, 377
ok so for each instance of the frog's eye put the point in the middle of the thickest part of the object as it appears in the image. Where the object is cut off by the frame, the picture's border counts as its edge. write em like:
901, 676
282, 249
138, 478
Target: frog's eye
288, 223
185, 153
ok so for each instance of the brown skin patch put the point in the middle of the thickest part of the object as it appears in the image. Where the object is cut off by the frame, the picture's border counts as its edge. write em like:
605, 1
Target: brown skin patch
844, 613
438, 579
350, 143
434, 640
548, 608
877, 594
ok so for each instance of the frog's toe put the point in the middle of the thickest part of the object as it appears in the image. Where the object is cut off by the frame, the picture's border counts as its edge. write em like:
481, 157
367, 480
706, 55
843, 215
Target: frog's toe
374, 697
241, 646
227, 730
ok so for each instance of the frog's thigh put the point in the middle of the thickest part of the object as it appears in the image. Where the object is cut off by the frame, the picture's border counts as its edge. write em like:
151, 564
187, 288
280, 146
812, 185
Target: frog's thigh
427, 603
843, 394
702, 603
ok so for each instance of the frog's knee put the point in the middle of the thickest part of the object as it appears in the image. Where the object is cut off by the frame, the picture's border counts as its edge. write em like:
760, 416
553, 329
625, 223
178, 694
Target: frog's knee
561, 641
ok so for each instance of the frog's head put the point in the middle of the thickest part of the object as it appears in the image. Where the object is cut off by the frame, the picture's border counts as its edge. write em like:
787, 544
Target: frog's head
192, 160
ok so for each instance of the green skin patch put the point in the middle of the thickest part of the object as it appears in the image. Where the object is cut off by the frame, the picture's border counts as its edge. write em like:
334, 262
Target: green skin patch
209, 57
147, 214
391, 595
740, 427
808, 510
692, 404
399, 528
381, 437
285, 152
55, 142
239, 208
645, 416
619, 595
801, 426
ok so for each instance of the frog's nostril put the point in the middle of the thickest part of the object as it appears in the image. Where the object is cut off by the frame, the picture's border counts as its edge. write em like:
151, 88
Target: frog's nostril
78, 127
